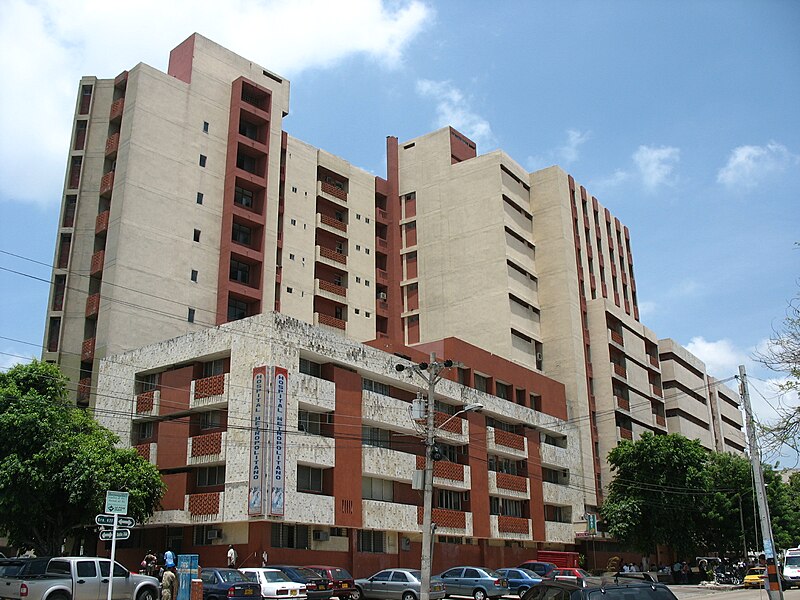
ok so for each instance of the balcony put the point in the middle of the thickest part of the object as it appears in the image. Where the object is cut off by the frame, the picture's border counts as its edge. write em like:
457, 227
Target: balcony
506, 443
84, 390
210, 392
329, 290
381, 216
653, 360
96, 266
656, 389
513, 525
625, 434
87, 350
623, 403
390, 516
329, 321
92, 306
444, 422
107, 184
148, 403
332, 225
616, 337
381, 276
148, 451
559, 532
101, 222
510, 483
112, 145
207, 448
331, 257
381, 244
620, 370
386, 463
205, 507
382, 307
444, 470
661, 420
445, 518
331, 192
116, 110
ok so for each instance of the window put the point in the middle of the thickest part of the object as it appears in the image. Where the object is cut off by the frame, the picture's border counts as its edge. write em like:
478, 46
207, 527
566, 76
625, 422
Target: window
373, 488
241, 234
200, 534
366, 250
373, 436
309, 479
293, 221
289, 290
208, 476
559, 514
357, 311
214, 367
294, 189
146, 383
449, 499
190, 316
371, 541
501, 464
503, 391
210, 419
243, 197
558, 441
366, 282
289, 536
358, 247
291, 256
203, 160
237, 309
367, 313
375, 386
205, 126
505, 506
199, 197
358, 217
196, 235
311, 422
239, 271
143, 431
481, 383
310, 368
358, 279
193, 276
366, 219
69, 211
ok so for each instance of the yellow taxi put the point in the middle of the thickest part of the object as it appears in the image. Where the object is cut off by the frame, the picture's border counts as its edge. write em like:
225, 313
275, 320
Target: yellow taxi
754, 578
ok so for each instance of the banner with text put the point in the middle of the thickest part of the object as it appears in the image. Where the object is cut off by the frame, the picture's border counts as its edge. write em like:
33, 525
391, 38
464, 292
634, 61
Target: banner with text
277, 466
255, 495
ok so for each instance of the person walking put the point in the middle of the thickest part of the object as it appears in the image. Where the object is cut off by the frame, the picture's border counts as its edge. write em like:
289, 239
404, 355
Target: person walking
169, 558
232, 556
169, 584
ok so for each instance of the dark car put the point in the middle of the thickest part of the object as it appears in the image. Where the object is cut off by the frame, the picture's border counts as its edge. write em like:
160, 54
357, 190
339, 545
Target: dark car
221, 584
605, 589
572, 575
519, 580
343, 583
479, 582
317, 586
542, 569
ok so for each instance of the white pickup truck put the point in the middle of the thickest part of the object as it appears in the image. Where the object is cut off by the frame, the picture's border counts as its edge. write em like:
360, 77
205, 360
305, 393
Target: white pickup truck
80, 578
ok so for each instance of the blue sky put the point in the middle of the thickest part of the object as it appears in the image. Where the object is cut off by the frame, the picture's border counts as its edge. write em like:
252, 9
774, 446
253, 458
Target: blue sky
681, 117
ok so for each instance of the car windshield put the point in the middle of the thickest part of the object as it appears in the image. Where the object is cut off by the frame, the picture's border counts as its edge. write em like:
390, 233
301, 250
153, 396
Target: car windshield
307, 573
341, 573
275, 576
491, 573
793, 561
529, 573
415, 574
232, 576
756, 571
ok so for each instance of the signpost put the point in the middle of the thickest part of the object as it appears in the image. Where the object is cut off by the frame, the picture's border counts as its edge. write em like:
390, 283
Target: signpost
116, 505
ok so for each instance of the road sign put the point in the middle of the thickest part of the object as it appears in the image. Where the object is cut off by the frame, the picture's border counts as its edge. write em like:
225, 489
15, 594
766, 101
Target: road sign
122, 534
117, 503
109, 520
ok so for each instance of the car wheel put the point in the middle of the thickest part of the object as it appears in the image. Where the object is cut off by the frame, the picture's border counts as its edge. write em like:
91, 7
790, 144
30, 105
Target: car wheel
479, 594
147, 594
409, 596
521, 591
357, 594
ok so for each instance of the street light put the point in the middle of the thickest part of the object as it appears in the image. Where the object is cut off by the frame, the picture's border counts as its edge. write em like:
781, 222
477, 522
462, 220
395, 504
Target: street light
431, 373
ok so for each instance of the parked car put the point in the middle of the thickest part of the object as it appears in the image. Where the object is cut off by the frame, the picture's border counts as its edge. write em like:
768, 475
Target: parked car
343, 582
317, 586
519, 580
225, 584
275, 584
478, 582
542, 569
602, 589
754, 578
396, 584
572, 575
23, 566
79, 578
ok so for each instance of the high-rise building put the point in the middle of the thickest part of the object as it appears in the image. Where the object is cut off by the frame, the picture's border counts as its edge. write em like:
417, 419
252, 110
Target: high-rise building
186, 206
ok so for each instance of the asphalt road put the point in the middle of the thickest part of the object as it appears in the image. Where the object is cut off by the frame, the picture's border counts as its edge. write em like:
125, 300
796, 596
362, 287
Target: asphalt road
691, 592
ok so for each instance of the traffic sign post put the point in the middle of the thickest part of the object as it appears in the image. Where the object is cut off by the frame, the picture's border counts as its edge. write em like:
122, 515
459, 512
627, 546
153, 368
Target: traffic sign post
109, 520
110, 534
116, 505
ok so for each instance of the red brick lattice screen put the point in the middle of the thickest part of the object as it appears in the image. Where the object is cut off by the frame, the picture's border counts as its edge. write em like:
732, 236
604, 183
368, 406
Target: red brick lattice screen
625, 434
334, 191
444, 470
620, 370
331, 222
623, 403
145, 402
511, 482
87, 349
331, 321
207, 445
512, 524
92, 305
332, 255
661, 420
107, 183
509, 440
101, 222
112, 144
617, 337
116, 109
332, 288
454, 426
443, 517
98, 258
204, 504
143, 450
209, 386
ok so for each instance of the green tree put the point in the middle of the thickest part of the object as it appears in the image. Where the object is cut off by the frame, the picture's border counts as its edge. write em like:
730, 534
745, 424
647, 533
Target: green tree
784, 508
655, 496
56, 463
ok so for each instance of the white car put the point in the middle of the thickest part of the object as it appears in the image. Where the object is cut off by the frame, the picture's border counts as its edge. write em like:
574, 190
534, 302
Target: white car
275, 585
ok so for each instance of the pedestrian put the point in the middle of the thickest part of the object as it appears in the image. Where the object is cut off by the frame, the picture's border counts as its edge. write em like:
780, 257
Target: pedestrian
232, 556
676, 572
169, 558
169, 584
684, 572
149, 563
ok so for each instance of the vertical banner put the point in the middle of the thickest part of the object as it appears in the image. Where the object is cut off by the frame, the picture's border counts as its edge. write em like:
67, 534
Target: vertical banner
277, 481
255, 495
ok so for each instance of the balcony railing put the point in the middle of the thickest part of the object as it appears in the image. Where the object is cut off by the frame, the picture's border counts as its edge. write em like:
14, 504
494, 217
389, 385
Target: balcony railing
623, 403
382, 216
445, 518
620, 370
98, 258
332, 288
661, 420
101, 222
332, 255
92, 305
116, 109
444, 470
653, 360
508, 439
334, 191
205, 505
87, 349
381, 276
381, 243
330, 321
112, 145
625, 434
512, 524
617, 338
443, 421
84, 389
209, 386
657, 390
331, 222
514, 483
107, 183
146, 401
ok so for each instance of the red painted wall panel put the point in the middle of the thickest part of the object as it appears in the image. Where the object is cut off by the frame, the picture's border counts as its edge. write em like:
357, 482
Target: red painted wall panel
180, 60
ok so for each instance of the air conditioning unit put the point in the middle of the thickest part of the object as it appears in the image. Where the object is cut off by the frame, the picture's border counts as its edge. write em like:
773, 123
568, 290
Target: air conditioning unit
382, 296
213, 534
320, 536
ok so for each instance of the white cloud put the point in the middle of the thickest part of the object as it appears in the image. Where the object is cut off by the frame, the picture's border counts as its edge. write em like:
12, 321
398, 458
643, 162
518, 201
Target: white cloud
453, 108
563, 155
722, 358
647, 309
618, 177
47, 45
655, 165
748, 165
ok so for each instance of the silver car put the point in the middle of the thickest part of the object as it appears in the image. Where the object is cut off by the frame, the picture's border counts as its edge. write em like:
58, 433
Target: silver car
479, 582
396, 584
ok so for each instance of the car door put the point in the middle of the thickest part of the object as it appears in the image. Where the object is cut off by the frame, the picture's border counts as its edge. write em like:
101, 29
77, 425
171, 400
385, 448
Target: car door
122, 584
471, 579
379, 585
397, 584
453, 581
88, 584
209, 580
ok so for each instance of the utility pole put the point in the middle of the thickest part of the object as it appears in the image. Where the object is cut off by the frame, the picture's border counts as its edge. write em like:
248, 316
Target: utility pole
430, 372
772, 584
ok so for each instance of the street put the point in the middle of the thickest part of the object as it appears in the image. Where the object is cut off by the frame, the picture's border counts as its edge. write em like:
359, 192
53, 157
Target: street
726, 593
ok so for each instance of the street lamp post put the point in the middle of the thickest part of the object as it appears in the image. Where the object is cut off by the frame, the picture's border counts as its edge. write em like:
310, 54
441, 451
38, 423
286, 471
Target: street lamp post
431, 373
